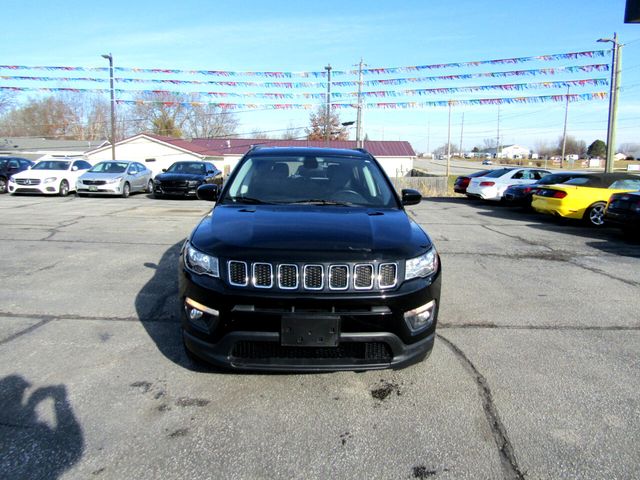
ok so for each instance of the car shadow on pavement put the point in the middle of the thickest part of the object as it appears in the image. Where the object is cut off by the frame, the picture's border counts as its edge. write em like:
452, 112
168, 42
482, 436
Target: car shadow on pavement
157, 306
33, 443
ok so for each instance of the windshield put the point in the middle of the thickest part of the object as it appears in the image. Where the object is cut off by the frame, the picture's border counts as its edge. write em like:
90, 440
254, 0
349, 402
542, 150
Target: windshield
193, 168
110, 167
51, 165
327, 180
498, 172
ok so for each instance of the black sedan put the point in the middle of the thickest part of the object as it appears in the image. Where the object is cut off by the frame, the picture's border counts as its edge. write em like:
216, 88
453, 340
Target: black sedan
623, 211
9, 166
462, 182
521, 194
182, 179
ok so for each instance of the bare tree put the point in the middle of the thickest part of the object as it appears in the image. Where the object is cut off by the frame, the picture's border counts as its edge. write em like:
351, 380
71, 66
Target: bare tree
7, 99
572, 146
49, 117
543, 148
209, 121
319, 124
162, 114
292, 133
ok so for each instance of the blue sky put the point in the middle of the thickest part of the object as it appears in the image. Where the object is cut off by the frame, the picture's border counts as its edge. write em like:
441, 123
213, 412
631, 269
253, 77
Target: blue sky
280, 36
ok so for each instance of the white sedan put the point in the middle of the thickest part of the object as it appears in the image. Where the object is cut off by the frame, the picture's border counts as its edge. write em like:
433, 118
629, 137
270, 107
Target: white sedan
493, 185
53, 177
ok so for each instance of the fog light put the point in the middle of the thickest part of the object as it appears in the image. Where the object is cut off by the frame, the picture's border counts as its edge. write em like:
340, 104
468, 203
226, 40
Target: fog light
420, 318
200, 316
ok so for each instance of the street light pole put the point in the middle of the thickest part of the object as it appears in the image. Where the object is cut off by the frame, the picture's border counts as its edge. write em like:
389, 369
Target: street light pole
359, 108
613, 101
328, 114
449, 143
113, 106
564, 131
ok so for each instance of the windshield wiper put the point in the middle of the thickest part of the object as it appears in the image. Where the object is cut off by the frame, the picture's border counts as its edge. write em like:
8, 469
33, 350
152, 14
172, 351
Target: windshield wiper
248, 200
318, 201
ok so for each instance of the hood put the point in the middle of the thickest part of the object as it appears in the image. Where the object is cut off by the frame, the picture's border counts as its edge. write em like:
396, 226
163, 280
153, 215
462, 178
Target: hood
309, 233
40, 173
180, 177
101, 175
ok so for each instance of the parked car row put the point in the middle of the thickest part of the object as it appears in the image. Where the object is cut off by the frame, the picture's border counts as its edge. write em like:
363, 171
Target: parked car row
594, 198
112, 177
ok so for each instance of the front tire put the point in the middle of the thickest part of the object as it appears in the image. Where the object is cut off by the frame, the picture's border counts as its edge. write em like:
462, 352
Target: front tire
3, 185
63, 191
150, 186
594, 216
126, 190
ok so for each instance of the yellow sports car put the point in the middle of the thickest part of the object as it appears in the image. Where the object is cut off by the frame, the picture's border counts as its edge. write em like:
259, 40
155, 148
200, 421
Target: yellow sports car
583, 198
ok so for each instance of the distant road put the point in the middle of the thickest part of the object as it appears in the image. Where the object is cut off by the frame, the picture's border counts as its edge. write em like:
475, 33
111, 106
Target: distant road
456, 167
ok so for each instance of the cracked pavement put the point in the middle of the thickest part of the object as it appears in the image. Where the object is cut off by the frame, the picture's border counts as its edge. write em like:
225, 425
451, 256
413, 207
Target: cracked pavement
534, 374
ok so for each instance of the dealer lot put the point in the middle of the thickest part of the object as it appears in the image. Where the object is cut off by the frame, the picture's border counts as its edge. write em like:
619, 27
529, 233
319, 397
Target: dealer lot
534, 374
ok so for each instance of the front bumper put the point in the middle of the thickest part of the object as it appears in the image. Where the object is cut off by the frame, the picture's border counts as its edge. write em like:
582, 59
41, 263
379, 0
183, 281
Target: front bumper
246, 333
43, 188
107, 189
169, 191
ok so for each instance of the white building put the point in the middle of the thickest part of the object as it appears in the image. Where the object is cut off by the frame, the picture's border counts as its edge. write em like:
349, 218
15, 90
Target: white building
158, 152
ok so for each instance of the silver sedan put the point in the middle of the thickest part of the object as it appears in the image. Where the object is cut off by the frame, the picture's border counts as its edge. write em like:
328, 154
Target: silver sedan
115, 177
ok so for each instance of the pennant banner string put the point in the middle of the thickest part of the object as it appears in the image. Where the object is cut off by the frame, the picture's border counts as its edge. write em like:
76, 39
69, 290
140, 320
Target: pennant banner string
386, 105
293, 85
337, 95
320, 74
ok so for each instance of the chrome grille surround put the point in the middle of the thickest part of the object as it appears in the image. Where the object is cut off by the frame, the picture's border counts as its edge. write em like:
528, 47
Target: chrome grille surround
262, 275
313, 277
238, 273
363, 276
27, 181
387, 275
288, 276
338, 277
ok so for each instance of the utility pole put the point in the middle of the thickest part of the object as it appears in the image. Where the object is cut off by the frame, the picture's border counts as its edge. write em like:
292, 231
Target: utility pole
461, 130
498, 136
327, 131
113, 106
449, 143
613, 101
359, 142
564, 132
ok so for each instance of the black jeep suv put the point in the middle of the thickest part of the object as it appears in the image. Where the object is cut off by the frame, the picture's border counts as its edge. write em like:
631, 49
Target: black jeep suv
309, 262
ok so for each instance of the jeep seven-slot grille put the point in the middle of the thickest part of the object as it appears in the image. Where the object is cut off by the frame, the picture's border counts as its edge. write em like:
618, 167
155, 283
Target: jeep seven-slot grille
363, 277
289, 276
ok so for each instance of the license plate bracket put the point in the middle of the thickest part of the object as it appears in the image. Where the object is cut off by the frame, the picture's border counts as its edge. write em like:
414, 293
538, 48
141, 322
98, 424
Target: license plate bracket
310, 331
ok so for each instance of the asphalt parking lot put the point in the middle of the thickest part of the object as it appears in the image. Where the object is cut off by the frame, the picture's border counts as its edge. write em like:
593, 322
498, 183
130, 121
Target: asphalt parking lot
535, 372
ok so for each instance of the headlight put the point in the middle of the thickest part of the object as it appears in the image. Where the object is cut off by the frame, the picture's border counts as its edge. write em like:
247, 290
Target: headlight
200, 263
421, 266
49, 180
193, 183
114, 180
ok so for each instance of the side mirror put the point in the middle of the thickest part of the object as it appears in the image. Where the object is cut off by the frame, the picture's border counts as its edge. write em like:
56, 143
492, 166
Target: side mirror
411, 197
164, 170
208, 192
74, 168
